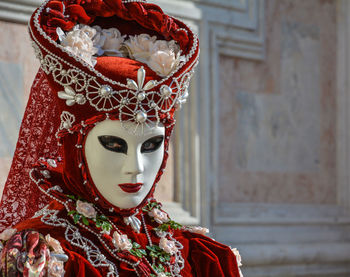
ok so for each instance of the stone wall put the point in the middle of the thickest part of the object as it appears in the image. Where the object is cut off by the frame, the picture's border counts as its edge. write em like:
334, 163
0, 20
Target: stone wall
278, 117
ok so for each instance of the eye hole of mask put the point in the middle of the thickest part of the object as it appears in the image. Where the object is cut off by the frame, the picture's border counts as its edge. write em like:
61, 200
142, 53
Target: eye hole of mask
152, 144
114, 144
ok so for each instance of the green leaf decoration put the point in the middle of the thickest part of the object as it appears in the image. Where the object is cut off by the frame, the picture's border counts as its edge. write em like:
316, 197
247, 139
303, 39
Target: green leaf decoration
160, 269
137, 252
85, 220
170, 224
150, 206
71, 197
72, 212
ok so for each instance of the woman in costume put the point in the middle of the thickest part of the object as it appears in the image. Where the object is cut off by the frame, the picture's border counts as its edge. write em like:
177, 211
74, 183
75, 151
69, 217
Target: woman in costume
112, 75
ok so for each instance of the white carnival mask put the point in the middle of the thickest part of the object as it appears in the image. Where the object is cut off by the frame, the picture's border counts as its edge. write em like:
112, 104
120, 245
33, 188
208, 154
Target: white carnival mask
123, 165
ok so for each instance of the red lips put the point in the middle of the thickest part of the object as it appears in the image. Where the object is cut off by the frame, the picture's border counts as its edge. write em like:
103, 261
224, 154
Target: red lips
130, 187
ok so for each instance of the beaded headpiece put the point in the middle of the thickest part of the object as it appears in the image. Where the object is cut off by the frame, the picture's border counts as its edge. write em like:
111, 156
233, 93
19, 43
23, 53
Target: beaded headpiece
123, 84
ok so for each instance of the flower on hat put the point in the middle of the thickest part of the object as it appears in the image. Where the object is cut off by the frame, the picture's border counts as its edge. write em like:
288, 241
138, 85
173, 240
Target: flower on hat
163, 62
88, 42
79, 42
113, 42
160, 55
140, 46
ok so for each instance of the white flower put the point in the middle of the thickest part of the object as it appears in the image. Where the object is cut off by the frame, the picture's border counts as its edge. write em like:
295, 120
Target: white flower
112, 42
238, 256
163, 45
162, 274
199, 230
121, 242
160, 55
79, 42
89, 31
163, 62
99, 40
54, 244
159, 216
55, 268
168, 246
86, 209
7, 233
140, 46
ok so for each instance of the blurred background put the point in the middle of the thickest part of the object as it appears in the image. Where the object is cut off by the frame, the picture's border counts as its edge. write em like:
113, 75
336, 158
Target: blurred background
261, 153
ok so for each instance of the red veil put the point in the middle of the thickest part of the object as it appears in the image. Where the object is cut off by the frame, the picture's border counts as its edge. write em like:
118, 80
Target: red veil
21, 197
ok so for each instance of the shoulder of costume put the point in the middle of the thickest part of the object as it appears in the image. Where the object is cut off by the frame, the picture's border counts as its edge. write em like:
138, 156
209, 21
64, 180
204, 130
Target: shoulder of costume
198, 240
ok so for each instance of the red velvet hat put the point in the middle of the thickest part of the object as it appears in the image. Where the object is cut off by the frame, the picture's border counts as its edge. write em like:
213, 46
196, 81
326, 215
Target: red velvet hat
136, 86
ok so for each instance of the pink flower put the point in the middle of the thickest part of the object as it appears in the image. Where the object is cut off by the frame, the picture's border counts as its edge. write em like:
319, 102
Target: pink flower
54, 244
121, 242
55, 268
199, 230
139, 47
7, 234
168, 246
159, 216
86, 209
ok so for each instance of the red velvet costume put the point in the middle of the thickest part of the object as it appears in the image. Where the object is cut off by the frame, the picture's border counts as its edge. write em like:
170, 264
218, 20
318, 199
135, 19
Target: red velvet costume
60, 176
